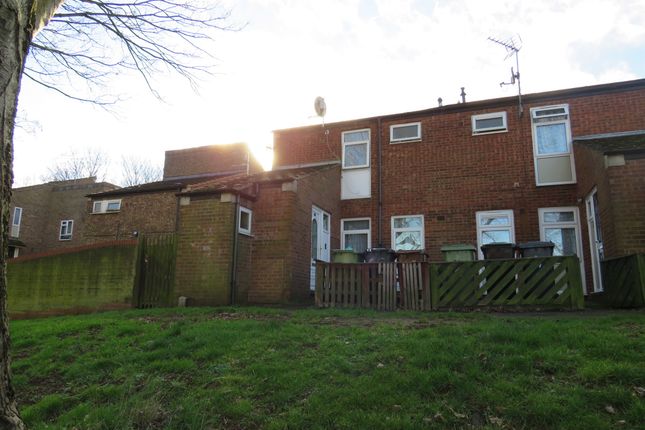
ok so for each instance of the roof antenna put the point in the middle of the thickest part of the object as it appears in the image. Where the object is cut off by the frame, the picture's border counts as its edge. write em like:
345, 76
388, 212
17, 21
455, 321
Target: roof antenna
512, 48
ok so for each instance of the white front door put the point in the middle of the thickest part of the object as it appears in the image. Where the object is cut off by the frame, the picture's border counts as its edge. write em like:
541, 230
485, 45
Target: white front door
595, 239
320, 237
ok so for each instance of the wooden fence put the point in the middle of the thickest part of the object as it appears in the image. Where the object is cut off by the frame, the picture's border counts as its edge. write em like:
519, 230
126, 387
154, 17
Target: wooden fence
546, 282
155, 271
624, 281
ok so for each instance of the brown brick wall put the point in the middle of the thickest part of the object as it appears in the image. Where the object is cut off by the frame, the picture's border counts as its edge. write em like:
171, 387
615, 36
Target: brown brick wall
627, 187
46, 205
209, 159
145, 213
204, 251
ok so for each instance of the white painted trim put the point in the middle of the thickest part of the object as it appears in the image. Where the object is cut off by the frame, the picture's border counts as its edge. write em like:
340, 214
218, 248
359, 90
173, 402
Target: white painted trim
240, 229
490, 130
104, 205
362, 142
596, 269
567, 224
69, 228
368, 231
400, 230
416, 138
569, 153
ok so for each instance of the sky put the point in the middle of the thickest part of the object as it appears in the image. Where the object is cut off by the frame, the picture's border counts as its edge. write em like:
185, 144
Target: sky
365, 57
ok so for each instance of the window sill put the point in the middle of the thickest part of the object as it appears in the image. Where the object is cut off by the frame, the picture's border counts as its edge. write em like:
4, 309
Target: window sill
480, 133
398, 142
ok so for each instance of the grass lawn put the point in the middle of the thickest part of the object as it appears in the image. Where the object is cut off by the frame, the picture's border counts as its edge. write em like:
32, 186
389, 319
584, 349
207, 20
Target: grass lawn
205, 368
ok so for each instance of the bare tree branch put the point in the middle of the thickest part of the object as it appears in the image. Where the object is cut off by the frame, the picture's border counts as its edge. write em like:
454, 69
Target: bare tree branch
138, 171
150, 36
76, 165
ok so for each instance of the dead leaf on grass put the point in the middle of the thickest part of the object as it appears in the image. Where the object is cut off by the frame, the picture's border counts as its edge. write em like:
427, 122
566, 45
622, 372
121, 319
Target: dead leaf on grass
640, 391
610, 409
380, 365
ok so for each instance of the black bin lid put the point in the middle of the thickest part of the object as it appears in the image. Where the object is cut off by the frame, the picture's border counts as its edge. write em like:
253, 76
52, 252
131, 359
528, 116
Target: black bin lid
536, 244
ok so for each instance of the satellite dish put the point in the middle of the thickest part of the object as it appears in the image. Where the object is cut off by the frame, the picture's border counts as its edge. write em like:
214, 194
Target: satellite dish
320, 106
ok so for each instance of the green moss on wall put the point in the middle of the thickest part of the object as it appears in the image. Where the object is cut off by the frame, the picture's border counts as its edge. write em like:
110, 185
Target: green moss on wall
92, 278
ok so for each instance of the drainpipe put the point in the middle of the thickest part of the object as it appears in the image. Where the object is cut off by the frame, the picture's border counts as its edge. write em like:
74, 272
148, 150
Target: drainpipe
380, 187
235, 248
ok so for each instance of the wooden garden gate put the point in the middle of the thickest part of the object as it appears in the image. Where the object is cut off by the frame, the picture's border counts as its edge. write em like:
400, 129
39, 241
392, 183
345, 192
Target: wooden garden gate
155, 271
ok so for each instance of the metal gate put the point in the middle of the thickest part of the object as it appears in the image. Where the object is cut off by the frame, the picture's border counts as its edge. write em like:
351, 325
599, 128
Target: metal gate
155, 271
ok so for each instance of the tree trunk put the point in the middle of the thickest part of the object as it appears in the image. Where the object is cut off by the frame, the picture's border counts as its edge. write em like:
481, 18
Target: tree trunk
15, 35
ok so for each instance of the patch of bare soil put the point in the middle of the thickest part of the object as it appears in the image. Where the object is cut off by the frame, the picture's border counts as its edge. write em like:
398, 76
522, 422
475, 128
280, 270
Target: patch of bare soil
40, 387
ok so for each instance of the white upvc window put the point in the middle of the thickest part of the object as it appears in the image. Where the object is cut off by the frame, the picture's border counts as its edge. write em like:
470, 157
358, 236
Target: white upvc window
408, 233
356, 149
245, 217
552, 151
66, 228
494, 227
410, 132
562, 227
15, 222
489, 123
105, 206
356, 234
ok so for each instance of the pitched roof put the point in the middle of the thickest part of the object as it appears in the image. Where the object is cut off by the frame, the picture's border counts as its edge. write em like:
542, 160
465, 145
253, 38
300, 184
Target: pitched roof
245, 184
153, 187
627, 141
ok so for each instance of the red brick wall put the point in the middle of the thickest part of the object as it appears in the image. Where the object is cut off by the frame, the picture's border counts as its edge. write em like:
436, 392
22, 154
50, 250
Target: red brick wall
144, 213
451, 174
209, 159
627, 187
281, 256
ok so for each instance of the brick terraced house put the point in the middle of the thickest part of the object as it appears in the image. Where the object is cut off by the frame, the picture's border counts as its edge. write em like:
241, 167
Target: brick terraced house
566, 166
152, 208
51, 215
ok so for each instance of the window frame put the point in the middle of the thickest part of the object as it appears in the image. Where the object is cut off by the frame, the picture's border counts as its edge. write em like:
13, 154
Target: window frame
489, 130
68, 225
417, 138
104, 206
240, 229
481, 229
363, 142
13, 219
364, 231
551, 120
406, 229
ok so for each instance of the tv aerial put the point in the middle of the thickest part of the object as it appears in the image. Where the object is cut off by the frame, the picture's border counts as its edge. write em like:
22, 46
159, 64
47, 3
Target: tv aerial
512, 49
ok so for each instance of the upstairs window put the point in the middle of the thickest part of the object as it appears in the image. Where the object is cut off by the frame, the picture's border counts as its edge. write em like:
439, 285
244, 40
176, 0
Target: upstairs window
355, 234
66, 228
105, 206
245, 216
15, 223
400, 133
407, 233
356, 149
552, 145
489, 123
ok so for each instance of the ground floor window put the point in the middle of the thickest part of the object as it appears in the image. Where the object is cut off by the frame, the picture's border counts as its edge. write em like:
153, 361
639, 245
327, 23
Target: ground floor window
495, 227
355, 234
407, 233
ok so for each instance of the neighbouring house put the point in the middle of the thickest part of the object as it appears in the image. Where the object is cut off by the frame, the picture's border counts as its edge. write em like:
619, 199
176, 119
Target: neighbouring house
488, 171
152, 208
50, 215
247, 238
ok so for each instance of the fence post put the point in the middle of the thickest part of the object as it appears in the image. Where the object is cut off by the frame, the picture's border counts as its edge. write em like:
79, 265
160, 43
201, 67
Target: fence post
319, 283
434, 286
575, 282
138, 272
